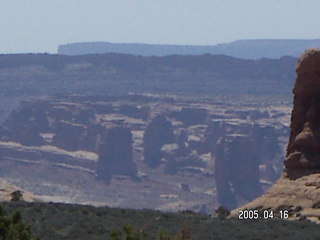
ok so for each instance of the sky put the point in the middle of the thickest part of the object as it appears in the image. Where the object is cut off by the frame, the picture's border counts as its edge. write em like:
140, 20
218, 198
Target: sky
42, 25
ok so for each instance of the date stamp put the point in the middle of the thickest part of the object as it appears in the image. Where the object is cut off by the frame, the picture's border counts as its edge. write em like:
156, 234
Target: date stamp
252, 214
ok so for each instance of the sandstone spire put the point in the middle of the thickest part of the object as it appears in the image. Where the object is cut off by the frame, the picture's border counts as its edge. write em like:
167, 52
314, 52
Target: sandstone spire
303, 150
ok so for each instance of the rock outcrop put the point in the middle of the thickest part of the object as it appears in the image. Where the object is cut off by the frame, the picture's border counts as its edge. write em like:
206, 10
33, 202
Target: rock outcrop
266, 143
158, 133
25, 124
236, 170
298, 190
303, 150
214, 131
68, 135
190, 116
115, 154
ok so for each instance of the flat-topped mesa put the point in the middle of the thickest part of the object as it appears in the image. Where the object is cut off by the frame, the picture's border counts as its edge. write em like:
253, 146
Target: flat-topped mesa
303, 150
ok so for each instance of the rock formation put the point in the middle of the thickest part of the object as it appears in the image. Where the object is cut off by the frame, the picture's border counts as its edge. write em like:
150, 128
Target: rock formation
115, 154
214, 131
68, 135
303, 150
190, 116
158, 133
135, 111
266, 143
90, 140
182, 141
224, 193
236, 170
25, 124
298, 190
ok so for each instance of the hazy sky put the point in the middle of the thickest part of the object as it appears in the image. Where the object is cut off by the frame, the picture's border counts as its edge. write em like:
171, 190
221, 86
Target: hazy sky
41, 25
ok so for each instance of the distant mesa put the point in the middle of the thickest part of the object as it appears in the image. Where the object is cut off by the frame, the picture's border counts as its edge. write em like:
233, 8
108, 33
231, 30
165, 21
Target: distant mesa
298, 190
247, 49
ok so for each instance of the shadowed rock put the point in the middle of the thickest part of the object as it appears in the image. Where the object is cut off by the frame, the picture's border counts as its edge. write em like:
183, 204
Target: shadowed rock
141, 112
266, 144
25, 124
91, 137
215, 130
158, 133
115, 154
190, 116
224, 193
68, 135
236, 170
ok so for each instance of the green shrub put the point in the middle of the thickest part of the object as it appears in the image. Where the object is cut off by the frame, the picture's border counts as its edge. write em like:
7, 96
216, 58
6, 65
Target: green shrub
13, 228
16, 196
222, 212
128, 232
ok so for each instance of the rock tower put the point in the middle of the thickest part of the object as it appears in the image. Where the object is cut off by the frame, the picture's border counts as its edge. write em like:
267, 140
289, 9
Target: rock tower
158, 133
303, 150
115, 154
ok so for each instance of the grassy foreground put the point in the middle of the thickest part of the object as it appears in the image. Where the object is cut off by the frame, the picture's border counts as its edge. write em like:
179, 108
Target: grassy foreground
53, 221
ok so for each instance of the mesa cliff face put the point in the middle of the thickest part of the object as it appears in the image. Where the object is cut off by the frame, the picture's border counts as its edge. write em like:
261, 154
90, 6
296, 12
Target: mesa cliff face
298, 190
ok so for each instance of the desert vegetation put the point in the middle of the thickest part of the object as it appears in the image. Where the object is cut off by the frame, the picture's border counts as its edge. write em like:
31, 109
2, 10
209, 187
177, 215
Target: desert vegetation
51, 221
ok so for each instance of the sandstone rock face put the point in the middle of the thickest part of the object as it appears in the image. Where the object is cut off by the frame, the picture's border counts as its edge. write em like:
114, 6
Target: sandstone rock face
135, 111
298, 190
115, 154
265, 142
68, 135
158, 133
215, 130
182, 141
224, 193
25, 124
303, 150
236, 170
190, 116
91, 137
